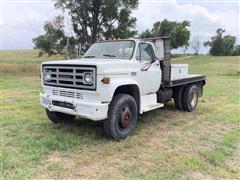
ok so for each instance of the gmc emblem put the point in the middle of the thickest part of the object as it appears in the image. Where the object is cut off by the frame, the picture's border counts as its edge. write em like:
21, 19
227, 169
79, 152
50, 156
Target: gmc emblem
65, 76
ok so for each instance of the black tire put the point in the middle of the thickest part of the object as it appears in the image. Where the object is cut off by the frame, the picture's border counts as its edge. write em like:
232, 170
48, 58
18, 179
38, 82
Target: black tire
178, 96
190, 98
57, 117
122, 117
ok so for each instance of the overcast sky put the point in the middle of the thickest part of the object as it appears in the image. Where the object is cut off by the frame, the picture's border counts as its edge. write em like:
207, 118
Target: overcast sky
22, 20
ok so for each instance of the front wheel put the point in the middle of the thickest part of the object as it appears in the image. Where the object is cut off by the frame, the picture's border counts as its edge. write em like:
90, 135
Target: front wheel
122, 117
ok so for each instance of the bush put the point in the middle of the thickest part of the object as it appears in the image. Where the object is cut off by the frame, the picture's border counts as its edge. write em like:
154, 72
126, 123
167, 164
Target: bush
236, 51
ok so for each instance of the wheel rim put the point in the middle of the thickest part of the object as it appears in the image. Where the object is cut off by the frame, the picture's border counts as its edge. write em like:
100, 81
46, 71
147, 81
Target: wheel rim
125, 118
194, 98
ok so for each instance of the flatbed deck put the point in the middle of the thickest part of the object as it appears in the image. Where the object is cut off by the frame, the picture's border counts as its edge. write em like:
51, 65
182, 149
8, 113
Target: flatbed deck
188, 80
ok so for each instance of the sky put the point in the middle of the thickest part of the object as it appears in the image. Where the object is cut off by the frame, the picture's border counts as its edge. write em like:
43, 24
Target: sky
22, 20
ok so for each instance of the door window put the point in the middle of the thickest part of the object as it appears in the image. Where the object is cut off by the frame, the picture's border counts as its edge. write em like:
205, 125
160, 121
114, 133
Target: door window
145, 52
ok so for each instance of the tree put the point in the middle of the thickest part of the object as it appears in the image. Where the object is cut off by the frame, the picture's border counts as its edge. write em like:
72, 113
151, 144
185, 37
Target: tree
221, 45
178, 31
146, 34
100, 18
236, 51
228, 42
54, 39
156, 29
216, 43
196, 45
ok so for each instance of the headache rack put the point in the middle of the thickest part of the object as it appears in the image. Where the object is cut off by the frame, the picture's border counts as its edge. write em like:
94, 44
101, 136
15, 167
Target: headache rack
69, 76
166, 61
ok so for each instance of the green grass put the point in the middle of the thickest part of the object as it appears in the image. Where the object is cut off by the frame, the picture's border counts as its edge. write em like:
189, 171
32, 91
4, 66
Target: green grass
166, 144
224, 148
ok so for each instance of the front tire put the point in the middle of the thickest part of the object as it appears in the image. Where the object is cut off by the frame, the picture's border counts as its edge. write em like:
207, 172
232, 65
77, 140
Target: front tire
57, 117
122, 117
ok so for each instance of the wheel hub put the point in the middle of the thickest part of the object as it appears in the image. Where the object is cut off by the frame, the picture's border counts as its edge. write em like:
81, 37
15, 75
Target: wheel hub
126, 118
194, 98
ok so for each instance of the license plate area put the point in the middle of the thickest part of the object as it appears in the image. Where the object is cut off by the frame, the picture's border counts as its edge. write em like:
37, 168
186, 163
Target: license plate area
63, 104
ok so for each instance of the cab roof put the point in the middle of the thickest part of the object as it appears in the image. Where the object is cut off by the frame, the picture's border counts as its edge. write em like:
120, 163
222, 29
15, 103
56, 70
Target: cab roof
138, 39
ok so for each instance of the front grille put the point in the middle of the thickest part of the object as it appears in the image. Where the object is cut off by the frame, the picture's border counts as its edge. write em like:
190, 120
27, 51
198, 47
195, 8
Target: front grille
69, 76
69, 94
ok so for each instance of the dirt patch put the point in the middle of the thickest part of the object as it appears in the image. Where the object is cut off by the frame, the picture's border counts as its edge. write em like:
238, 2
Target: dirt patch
76, 166
55, 164
197, 176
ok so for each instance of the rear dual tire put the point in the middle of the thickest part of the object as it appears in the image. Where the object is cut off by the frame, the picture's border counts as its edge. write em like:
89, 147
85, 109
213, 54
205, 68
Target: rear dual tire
178, 94
186, 97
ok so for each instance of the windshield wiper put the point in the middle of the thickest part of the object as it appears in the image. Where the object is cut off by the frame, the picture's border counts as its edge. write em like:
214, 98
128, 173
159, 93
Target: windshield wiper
89, 56
109, 55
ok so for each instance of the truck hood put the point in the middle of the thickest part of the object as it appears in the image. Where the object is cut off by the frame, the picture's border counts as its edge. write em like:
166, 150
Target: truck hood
104, 66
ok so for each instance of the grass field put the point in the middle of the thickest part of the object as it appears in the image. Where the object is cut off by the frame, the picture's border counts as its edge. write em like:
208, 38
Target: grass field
166, 144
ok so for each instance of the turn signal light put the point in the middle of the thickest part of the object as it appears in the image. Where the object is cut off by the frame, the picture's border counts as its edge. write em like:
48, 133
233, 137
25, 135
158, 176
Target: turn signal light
106, 80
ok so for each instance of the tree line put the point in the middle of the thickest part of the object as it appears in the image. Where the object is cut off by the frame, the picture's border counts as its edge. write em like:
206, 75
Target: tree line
95, 20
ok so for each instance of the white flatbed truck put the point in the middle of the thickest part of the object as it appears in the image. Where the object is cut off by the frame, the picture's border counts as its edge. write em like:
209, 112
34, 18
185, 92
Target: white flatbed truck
115, 81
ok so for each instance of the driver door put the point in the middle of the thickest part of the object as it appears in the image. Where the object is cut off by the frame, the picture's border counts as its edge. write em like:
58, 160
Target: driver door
149, 72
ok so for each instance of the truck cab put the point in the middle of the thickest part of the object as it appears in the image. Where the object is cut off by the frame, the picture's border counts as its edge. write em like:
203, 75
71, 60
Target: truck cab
115, 81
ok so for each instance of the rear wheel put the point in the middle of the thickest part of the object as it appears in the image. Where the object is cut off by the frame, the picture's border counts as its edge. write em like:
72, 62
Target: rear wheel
57, 117
190, 98
178, 96
122, 117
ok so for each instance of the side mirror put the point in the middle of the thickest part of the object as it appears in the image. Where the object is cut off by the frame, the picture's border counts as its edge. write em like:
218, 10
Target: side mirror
161, 59
153, 59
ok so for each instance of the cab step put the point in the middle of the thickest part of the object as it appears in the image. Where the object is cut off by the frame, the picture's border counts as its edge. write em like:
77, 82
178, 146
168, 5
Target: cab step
152, 106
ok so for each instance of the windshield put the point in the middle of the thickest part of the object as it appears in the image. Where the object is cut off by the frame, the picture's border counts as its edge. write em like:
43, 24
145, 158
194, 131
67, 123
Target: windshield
111, 49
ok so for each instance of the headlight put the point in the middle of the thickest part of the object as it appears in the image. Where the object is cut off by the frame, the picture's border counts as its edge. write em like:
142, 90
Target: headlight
88, 78
47, 76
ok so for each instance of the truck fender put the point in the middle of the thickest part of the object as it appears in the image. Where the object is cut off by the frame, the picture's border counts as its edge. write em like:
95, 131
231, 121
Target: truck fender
123, 84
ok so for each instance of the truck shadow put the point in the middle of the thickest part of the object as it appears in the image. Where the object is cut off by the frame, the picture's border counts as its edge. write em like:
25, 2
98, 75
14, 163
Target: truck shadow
162, 115
95, 128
